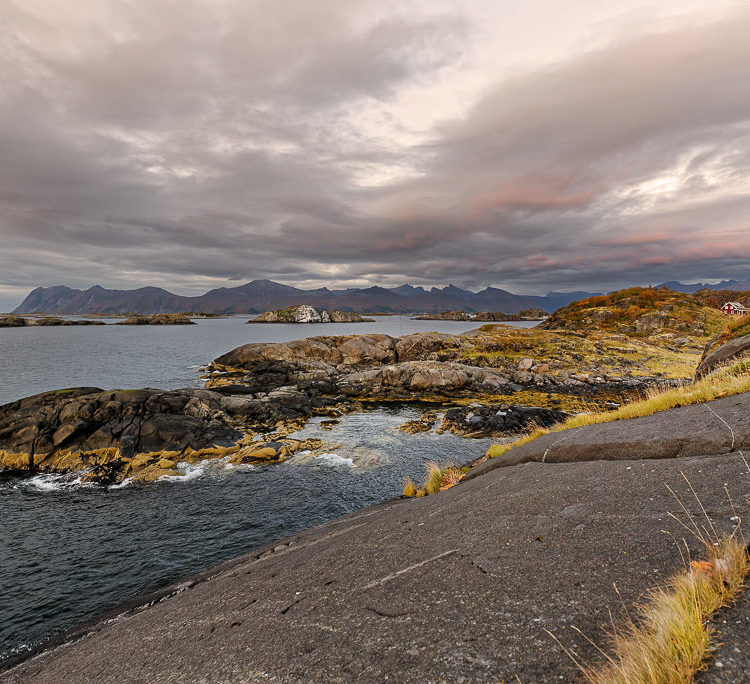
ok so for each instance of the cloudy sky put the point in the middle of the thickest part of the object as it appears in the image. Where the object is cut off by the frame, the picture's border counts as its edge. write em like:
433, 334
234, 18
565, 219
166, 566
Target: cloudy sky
540, 145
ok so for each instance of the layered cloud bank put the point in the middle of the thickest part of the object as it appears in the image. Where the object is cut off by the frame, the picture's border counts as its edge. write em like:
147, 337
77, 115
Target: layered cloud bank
185, 144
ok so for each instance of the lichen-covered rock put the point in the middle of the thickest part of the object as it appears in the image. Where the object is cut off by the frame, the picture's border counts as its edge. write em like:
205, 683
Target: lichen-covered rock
323, 363
273, 451
423, 424
430, 347
310, 354
416, 379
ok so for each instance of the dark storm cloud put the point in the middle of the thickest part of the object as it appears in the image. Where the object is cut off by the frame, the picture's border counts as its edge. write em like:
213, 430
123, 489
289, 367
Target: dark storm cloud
184, 143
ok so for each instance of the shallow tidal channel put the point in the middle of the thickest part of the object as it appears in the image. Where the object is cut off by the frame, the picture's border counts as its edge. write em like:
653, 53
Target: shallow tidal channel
70, 551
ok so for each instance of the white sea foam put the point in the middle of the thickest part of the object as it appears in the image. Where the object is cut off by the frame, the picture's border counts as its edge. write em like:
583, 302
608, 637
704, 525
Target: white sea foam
240, 467
243, 467
334, 460
52, 482
186, 472
127, 481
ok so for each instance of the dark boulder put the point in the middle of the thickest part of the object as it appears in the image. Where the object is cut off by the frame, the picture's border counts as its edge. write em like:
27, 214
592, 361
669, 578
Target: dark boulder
489, 421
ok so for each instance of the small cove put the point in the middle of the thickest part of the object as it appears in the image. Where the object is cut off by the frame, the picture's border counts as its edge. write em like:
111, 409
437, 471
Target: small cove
71, 551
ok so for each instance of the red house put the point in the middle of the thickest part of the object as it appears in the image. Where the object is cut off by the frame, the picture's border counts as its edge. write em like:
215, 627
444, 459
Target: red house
733, 309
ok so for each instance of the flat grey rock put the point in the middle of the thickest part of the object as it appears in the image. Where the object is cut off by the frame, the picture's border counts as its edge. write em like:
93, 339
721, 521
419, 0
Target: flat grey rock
730, 663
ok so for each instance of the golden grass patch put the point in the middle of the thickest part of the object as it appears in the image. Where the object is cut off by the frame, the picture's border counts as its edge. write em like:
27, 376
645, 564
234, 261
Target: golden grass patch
437, 479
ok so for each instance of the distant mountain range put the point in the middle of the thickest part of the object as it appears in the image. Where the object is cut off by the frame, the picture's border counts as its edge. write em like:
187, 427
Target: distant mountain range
692, 288
263, 295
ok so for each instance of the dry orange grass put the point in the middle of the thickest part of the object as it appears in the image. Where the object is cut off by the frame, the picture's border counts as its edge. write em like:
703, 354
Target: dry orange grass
670, 641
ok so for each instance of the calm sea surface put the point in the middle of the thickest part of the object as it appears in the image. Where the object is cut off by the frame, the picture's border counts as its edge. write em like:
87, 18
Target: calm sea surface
69, 551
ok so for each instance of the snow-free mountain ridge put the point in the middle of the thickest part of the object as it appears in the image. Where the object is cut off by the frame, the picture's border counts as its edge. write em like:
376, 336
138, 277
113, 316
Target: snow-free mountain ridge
261, 295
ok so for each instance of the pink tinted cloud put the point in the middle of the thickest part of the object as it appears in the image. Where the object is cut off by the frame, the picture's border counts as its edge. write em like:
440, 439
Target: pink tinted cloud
534, 192
640, 239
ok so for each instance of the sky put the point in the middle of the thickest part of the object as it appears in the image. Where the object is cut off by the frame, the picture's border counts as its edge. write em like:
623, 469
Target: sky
543, 145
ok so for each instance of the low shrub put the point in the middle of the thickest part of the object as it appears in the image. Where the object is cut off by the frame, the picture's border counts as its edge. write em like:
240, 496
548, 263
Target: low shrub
437, 479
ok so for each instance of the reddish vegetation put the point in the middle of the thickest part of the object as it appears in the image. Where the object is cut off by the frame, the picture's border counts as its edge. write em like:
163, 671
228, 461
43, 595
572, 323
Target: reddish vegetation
640, 311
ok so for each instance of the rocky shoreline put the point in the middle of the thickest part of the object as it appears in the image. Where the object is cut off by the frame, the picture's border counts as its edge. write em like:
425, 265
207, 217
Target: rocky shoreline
142, 435
258, 394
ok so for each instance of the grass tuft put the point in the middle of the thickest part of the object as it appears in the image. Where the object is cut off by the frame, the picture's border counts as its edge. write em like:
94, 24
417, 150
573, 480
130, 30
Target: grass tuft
437, 479
434, 480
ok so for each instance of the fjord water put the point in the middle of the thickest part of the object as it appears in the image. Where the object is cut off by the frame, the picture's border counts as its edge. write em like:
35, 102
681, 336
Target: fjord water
69, 551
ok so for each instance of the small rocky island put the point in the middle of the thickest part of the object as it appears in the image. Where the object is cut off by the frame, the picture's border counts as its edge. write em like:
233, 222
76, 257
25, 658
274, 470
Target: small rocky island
158, 319
485, 316
19, 322
303, 313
